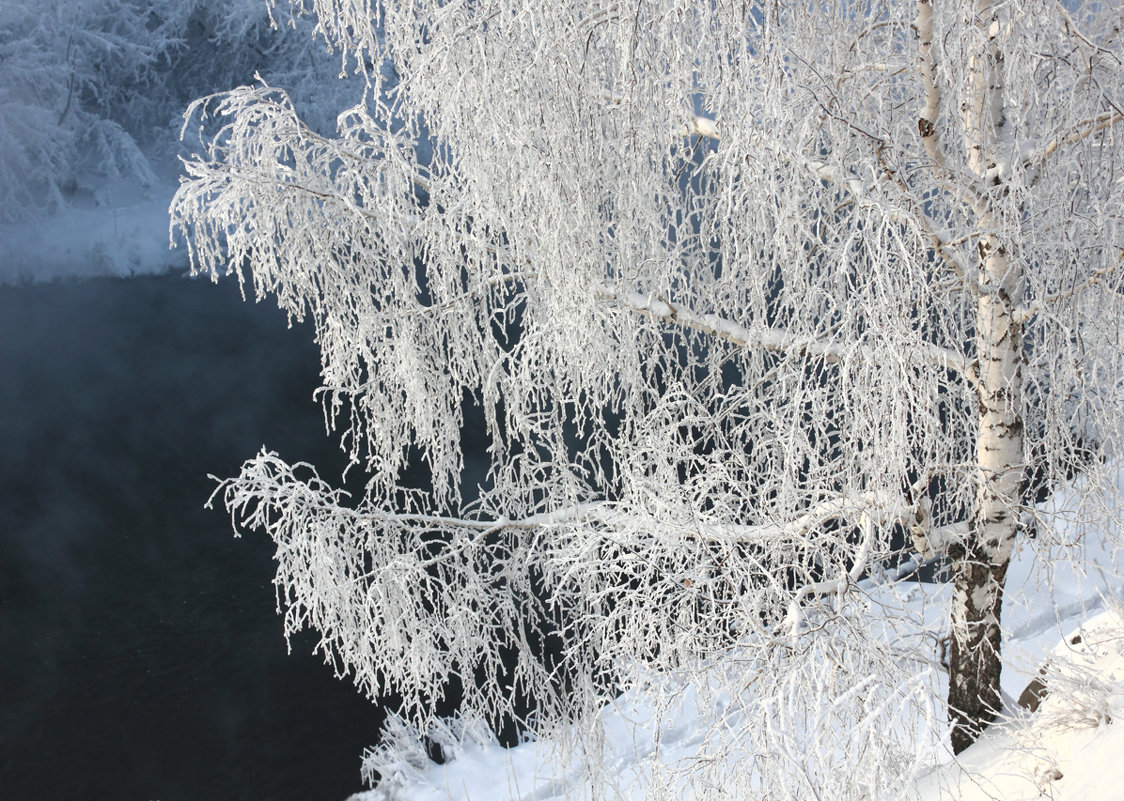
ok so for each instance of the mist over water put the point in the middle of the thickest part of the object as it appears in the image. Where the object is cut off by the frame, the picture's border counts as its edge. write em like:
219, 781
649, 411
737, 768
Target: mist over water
141, 656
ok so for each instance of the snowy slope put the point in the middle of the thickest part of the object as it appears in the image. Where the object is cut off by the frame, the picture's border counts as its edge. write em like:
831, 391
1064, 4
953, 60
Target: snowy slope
1059, 588
1071, 747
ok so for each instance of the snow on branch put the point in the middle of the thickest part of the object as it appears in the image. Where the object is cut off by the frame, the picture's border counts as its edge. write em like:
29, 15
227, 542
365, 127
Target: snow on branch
393, 593
1025, 313
267, 482
1035, 156
704, 127
860, 192
778, 341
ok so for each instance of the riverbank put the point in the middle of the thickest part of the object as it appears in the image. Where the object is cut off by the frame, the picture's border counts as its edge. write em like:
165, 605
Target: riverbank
110, 229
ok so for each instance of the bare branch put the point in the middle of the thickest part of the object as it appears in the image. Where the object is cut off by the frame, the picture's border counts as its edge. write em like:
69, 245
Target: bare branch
1072, 27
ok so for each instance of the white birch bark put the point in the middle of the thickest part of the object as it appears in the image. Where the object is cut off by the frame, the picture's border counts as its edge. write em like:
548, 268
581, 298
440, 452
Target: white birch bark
981, 562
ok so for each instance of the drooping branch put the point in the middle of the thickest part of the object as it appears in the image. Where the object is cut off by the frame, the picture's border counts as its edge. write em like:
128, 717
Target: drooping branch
860, 191
267, 482
272, 495
837, 586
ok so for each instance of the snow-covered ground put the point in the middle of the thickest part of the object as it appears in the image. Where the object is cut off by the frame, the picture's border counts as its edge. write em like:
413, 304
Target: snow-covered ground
1065, 627
109, 229
1071, 747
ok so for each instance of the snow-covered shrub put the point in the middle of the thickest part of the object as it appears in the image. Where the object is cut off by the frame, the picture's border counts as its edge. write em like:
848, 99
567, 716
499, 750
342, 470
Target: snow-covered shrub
401, 758
1081, 676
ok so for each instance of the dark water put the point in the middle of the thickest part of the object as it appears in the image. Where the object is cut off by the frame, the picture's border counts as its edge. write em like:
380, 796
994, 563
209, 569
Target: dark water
140, 653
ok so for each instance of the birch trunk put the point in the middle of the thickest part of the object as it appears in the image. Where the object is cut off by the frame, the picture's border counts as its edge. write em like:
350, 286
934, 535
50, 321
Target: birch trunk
981, 562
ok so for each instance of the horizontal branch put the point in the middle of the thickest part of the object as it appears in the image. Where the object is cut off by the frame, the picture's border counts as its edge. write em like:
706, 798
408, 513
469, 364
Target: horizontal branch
773, 340
1025, 313
879, 507
578, 513
269, 494
1076, 133
267, 482
768, 339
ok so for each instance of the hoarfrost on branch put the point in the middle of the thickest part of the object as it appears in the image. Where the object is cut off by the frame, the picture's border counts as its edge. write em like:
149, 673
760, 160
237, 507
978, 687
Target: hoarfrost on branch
742, 291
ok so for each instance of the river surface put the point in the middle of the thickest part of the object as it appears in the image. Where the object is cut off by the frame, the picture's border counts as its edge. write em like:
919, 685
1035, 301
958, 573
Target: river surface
141, 656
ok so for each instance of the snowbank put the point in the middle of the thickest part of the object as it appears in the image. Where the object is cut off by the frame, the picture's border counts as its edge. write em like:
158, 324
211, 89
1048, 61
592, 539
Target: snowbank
1070, 747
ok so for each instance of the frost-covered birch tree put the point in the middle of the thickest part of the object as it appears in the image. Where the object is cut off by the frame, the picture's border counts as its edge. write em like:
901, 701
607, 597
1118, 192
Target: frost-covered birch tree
744, 291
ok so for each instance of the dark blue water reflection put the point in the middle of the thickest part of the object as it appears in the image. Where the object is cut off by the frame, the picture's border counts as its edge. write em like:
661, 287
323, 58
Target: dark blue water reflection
140, 653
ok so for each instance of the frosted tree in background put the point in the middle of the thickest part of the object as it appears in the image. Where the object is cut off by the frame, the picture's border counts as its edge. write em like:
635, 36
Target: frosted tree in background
94, 87
62, 66
744, 291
